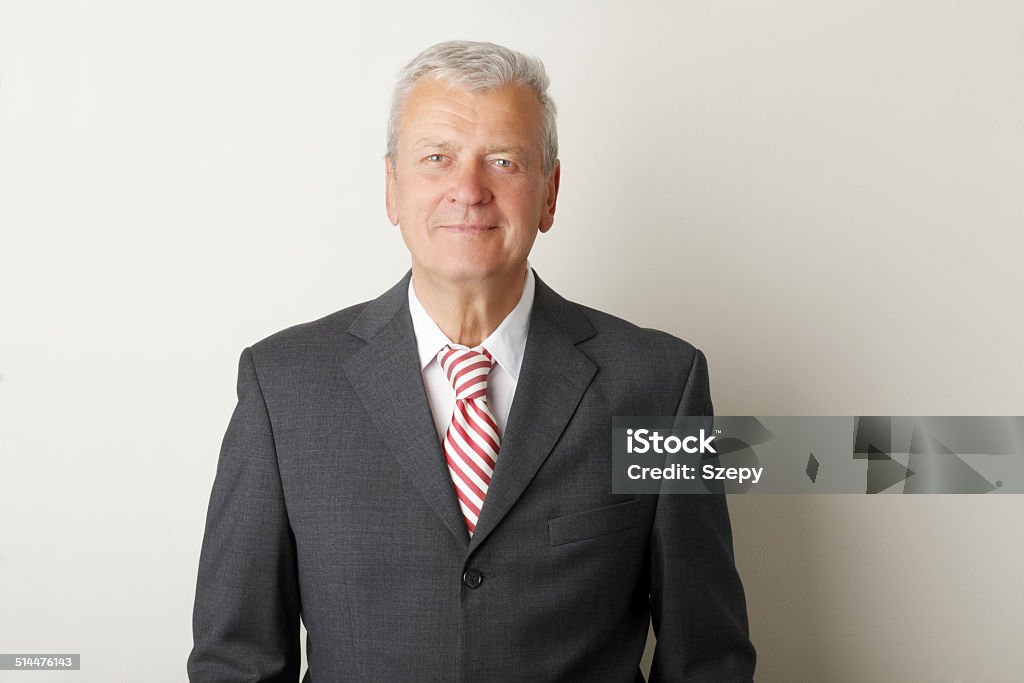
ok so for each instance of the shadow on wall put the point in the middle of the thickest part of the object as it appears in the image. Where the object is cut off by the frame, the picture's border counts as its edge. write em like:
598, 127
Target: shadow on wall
781, 549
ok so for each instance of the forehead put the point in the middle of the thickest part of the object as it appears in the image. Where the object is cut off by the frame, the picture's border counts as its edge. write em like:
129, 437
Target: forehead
440, 108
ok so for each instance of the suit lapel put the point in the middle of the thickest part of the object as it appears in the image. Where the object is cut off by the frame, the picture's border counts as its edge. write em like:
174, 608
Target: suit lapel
386, 375
553, 378
555, 374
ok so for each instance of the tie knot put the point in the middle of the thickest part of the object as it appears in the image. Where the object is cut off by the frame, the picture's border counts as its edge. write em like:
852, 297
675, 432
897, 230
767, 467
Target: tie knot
467, 370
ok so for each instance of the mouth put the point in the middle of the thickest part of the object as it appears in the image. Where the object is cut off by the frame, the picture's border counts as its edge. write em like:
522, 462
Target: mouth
469, 228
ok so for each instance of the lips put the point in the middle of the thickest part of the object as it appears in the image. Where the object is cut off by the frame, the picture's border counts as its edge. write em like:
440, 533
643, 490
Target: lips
469, 228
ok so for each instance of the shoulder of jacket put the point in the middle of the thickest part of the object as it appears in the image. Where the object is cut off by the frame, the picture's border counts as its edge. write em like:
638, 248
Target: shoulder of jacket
327, 332
645, 340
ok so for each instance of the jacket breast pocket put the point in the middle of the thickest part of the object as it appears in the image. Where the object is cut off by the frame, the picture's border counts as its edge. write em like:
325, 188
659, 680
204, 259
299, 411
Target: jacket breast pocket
594, 523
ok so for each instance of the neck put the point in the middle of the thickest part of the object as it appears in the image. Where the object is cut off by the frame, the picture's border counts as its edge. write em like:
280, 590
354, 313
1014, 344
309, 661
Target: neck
467, 312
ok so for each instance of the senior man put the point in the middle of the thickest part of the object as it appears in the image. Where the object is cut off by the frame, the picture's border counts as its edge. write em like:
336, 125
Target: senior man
425, 478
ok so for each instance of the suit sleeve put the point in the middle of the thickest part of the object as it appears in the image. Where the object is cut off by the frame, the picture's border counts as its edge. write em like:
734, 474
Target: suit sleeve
246, 619
698, 608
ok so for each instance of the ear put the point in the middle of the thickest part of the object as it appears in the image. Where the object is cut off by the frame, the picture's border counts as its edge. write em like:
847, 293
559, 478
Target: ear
547, 218
390, 202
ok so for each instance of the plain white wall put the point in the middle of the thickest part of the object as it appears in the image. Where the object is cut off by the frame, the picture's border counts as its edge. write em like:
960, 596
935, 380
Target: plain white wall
826, 197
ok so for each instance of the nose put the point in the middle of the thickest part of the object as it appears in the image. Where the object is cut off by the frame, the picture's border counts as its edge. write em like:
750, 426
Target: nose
469, 186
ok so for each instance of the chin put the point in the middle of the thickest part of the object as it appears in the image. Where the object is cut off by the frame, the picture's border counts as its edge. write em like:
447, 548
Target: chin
466, 271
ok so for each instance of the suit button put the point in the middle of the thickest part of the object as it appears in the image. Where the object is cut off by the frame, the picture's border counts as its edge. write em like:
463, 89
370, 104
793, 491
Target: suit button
472, 578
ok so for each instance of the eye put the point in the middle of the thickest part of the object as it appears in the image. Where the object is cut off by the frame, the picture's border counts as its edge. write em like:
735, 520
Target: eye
503, 163
435, 158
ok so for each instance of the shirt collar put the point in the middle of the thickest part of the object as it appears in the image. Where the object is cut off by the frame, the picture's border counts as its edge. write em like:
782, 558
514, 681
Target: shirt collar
507, 343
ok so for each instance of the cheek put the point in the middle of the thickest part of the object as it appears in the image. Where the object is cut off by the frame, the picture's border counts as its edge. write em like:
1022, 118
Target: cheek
527, 211
421, 201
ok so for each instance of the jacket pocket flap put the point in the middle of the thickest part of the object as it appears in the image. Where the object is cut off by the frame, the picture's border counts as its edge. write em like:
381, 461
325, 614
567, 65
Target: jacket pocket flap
593, 523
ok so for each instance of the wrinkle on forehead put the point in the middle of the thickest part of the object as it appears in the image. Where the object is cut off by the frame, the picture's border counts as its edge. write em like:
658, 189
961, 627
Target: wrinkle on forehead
442, 112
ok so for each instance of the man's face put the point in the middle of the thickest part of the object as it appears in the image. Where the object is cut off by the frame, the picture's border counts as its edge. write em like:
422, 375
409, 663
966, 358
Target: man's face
468, 191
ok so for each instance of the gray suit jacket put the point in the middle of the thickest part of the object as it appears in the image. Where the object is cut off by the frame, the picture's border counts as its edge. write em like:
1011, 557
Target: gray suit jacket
332, 502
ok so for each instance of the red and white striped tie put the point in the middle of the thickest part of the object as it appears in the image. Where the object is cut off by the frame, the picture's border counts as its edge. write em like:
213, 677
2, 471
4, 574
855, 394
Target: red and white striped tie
471, 443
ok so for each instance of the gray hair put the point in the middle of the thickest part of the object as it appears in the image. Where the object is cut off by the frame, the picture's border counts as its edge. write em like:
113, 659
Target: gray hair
478, 67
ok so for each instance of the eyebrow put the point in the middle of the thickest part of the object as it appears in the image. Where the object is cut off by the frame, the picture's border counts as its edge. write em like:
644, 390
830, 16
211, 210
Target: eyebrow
514, 149
520, 150
432, 142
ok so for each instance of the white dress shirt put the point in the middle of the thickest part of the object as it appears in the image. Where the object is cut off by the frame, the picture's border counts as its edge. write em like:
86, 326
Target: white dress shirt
506, 344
